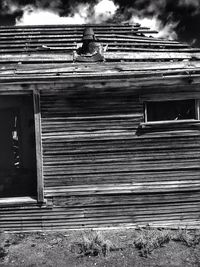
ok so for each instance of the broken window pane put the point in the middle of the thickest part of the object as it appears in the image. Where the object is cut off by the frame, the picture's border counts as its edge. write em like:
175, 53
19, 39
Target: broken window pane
170, 110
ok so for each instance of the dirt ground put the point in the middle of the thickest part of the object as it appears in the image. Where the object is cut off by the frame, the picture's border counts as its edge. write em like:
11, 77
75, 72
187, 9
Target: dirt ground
103, 248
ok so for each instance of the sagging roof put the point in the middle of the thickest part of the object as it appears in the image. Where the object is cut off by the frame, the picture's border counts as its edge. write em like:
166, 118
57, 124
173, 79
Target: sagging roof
46, 52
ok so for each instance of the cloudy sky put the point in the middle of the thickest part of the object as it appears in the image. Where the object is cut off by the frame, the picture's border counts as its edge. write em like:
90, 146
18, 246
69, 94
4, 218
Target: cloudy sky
174, 19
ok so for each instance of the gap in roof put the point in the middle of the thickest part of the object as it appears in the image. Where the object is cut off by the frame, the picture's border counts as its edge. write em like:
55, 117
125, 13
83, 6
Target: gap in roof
167, 31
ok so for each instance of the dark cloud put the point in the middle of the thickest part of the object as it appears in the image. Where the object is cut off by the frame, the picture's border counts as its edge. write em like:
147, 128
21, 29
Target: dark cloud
185, 12
9, 19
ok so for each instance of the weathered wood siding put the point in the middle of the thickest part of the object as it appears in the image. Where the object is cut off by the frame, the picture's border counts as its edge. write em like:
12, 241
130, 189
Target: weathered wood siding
85, 138
102, 169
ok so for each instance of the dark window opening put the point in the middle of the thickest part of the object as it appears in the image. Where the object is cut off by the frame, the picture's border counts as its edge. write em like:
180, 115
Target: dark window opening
170, 110
17, 143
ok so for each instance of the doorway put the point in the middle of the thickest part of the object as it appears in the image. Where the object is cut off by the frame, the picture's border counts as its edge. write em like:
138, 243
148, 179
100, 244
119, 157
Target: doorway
18, 177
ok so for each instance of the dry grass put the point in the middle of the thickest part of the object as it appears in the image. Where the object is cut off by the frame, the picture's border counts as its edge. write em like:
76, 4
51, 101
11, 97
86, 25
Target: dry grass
147, 239
126, 247
188, 238
92, 244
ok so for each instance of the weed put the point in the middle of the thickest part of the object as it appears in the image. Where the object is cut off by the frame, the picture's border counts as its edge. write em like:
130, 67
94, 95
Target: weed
186, 237
92, 244
148, 239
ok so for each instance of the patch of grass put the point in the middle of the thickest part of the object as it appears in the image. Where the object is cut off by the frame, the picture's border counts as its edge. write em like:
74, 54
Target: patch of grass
147, 239
92, 244
188, 238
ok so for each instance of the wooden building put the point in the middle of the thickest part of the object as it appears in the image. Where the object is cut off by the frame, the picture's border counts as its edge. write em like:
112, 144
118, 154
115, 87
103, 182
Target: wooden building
98, 144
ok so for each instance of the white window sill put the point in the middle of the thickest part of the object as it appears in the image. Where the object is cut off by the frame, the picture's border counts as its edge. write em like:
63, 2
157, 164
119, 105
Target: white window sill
17, 201
174, 122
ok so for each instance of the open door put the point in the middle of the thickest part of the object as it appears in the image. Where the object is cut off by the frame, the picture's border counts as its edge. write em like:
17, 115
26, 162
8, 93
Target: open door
18, 176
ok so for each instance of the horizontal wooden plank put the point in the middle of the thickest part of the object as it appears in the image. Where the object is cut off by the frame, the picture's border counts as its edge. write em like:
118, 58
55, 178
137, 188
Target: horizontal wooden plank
107, 214
72, 45
127, 199
70, 26
128, 83
26, 40
179, 83
111, 169
112, 41
90, 71
74, 34
178, 220
35, 57
120, 177
61, 220
155, 55
121, 135
60, 74
84, 119
70, 31
72, 210
155, 187
52, 45
97, 158
67, 126
42, 57
104, 80
115, 49
78, 213
105, 66
148, 38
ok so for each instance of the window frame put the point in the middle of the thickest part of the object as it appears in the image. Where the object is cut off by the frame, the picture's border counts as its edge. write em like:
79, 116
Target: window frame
168, 122
38, 150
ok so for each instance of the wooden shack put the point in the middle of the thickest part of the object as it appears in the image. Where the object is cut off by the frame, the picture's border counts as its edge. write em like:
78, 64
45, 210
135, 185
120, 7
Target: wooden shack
98, 144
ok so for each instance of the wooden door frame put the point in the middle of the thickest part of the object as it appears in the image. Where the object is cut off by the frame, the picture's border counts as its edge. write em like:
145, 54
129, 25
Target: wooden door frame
38, 143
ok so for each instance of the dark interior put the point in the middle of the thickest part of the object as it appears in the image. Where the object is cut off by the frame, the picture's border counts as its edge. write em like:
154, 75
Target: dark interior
17, 147
170, 110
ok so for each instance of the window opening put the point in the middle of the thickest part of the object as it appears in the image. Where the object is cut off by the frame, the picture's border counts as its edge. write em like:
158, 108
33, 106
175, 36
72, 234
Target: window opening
171, 110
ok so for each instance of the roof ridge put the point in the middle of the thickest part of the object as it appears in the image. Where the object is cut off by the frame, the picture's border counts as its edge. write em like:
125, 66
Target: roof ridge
75, 25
